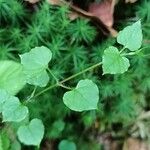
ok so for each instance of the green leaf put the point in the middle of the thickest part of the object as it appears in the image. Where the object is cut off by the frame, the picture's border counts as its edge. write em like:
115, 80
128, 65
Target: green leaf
67, 145
84, 97
4, 141
15, 145
12, 78
3, 97
56, 129
35, 64
131, 36
32, 133
113, 62
13, 110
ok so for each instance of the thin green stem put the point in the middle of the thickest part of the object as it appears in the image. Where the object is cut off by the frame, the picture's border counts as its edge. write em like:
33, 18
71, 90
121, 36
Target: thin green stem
129, 54
46, 89
133, 53
67, 79
122, 49
32, 95
146, 55
52, 75
81, 72
65, 87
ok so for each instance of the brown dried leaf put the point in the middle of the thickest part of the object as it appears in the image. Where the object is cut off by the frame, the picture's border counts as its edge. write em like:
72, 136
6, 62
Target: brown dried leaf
104, 11
78, 12
32, 1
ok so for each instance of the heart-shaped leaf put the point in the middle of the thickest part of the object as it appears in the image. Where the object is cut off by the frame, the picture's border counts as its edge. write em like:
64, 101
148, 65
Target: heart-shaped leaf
84, 97
67, 145
13, 110
3, 97
12, 78
131, 36
32, 133
113, 62
35, 64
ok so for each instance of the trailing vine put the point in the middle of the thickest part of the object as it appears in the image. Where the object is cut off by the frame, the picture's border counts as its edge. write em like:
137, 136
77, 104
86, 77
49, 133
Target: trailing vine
34, 70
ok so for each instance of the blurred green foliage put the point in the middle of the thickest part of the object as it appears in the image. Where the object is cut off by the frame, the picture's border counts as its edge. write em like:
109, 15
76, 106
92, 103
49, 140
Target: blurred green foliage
75, 45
